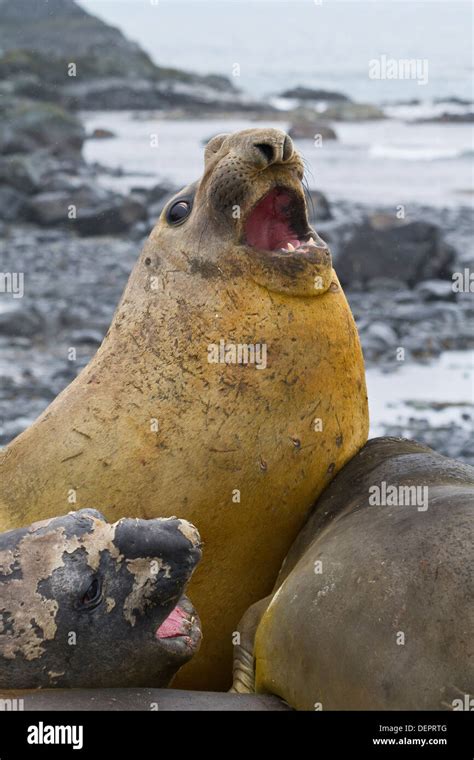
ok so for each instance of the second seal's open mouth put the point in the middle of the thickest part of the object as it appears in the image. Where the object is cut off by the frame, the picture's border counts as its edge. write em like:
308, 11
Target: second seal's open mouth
278, 223
181, 631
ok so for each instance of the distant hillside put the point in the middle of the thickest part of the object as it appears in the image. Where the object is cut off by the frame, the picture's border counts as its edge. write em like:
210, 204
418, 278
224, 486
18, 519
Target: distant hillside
39, 38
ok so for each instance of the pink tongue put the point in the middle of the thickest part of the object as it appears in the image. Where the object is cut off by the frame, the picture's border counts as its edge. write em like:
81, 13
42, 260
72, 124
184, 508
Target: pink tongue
174, 625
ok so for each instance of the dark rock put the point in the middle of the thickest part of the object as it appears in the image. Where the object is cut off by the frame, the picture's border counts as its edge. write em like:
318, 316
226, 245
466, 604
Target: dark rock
18, 319
21, 172
454, 101
157, 193
310, 130
410, 102
93, 337
101, 134
382, 333
114, 93
28, 173
307, 93
353, 112
27, 125
448, 118
409, 252
61, 181
436, 290
386, 283
51, 208
12, 204
97, 211
319, 209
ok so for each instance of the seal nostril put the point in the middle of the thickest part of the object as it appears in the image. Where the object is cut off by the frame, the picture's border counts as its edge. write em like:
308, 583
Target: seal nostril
266, 150
287, 148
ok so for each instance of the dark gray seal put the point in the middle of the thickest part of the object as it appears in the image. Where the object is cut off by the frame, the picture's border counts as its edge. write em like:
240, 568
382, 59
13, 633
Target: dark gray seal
89, 603
374, 605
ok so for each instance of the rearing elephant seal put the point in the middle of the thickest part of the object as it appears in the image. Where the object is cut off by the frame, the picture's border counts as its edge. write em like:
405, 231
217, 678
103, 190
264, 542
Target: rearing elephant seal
88, 604
374, 604
229, 389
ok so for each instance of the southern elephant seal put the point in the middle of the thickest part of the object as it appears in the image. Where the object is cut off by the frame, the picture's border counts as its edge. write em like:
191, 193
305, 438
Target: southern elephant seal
229, 389
374, 604
89, 603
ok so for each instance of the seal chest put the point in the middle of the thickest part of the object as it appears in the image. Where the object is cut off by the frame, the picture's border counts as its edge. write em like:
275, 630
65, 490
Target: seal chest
238, 440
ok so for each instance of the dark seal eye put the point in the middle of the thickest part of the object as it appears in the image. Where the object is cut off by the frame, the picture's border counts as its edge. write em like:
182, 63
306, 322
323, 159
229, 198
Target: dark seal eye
178, 212
93, 595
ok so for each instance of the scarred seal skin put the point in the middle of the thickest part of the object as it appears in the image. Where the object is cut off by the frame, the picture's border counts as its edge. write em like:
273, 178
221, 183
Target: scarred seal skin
86, 603
374, 606
229, 389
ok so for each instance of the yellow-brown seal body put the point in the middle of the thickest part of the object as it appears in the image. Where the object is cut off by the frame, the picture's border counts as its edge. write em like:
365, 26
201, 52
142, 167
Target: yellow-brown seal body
229, 389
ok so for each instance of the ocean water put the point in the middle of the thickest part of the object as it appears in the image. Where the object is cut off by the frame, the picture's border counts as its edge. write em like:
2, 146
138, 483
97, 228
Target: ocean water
327, 43
406, 397
386, 163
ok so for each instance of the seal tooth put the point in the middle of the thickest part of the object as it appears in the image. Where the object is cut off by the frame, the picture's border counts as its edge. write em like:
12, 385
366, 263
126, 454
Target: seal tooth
311, 241
290, 247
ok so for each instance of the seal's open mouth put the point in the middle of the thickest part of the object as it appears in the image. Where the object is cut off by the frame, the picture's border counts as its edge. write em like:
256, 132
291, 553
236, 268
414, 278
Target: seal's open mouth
282, 253
278, 223
181, 631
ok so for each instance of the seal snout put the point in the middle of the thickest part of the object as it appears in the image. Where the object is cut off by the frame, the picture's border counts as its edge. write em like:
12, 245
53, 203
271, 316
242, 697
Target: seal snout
276, 147
174, 543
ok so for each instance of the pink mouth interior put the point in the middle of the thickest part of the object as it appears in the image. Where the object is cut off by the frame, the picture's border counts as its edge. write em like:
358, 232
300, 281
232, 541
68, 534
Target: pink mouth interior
175, 625
268, 226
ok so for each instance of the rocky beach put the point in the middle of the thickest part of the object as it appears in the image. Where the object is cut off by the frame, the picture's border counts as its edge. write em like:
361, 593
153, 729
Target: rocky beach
74, 212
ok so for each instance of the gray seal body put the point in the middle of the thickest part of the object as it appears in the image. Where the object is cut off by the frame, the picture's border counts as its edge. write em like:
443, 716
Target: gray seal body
374, 605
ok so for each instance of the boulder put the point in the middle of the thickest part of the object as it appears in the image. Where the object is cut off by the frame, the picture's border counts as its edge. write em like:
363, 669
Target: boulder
353, 112
448, 118
101, 134
309, 130
383, 246
16, 319
26, 125
97, 211
29, 173
436, 290
319, 209
158, 192
308, 93
12, 204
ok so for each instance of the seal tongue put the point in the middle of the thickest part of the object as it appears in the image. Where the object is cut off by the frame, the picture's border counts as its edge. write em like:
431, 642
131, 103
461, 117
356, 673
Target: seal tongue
174, 625
268, 226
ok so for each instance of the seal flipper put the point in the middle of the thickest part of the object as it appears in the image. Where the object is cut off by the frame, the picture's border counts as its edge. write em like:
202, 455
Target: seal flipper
244, 662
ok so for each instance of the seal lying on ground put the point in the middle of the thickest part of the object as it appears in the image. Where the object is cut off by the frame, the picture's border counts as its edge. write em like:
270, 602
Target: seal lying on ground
374, 604
229, 389
87, 603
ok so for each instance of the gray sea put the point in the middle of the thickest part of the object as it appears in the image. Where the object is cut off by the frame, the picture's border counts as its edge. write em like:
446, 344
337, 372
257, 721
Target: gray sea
327, 43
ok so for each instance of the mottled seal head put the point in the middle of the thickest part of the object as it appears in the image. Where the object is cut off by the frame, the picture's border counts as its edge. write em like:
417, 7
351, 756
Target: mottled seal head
93, 604
248, 215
